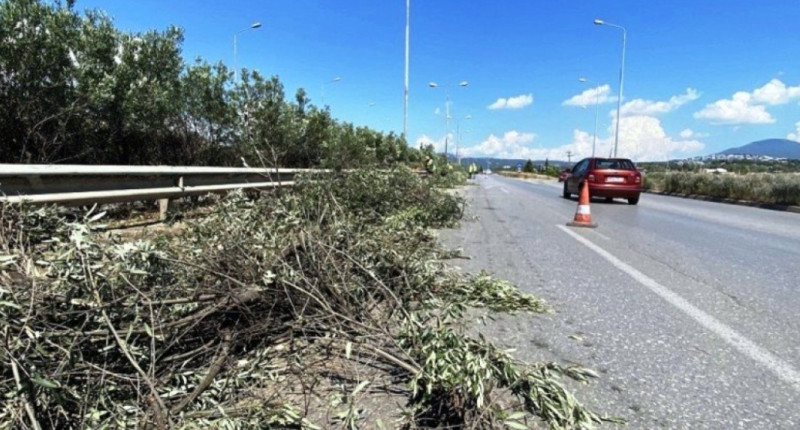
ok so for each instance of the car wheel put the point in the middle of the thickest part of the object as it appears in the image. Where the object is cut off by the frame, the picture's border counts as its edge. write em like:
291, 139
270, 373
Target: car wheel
566, 194
633, 200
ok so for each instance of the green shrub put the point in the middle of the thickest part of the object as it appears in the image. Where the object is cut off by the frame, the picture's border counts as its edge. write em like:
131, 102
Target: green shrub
754, 187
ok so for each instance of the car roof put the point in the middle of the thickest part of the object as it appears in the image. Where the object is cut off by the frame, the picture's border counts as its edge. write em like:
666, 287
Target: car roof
611, 158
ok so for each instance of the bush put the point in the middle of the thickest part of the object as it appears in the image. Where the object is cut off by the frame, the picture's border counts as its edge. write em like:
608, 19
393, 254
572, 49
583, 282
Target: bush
781, 189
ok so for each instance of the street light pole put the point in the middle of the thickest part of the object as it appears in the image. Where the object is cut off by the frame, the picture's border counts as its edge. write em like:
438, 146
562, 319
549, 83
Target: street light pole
405, 89
322, 96
458, 138
253, 26
447, 111
446, 123
596, 110
621, 76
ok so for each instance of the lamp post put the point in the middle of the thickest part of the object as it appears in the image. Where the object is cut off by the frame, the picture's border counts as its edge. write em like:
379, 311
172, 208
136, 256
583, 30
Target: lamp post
596, 109
405, 87
252, 26
332, 81
621, 76
458, 138
447, 110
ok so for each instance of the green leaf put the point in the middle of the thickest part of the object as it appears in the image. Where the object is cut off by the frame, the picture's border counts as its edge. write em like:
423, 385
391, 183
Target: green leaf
516, 425
97, 216
46, 383
360, 387
516, 416
10, 305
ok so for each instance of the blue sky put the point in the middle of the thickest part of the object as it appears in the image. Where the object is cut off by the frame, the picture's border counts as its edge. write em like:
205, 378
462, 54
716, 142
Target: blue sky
700, 75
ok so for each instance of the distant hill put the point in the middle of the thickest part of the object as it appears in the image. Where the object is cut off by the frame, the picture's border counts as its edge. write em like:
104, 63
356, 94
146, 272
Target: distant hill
776, 148
498, 163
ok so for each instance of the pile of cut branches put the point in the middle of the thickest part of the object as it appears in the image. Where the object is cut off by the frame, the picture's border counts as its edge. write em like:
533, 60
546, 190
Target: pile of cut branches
321, 307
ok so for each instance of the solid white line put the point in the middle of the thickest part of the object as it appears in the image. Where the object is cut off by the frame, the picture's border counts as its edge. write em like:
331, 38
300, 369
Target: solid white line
780, 368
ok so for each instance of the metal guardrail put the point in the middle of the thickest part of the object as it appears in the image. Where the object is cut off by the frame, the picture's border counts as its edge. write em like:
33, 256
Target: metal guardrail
82, 184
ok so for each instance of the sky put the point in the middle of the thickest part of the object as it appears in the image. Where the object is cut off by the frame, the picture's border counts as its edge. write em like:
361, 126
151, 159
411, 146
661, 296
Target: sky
700, 76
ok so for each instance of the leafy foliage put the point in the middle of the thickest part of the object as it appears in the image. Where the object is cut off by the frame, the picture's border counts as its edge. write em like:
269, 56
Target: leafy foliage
767, 188
75, 89
288, 310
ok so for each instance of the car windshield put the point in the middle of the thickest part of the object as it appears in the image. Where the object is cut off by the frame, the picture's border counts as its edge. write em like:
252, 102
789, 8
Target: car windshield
616, 164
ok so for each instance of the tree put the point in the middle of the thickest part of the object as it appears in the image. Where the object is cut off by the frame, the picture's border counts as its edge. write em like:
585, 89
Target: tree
76, 89
529, 167
206, 123
36, 75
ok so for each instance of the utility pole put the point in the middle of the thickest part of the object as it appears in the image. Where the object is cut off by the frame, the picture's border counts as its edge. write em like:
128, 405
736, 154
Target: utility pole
569, 157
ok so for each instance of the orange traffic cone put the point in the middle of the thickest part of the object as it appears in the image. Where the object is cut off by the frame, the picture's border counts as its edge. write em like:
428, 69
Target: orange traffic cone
583, 216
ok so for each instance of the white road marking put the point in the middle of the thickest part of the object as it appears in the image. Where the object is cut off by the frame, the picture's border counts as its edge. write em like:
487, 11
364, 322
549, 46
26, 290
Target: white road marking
504, 190
780, 368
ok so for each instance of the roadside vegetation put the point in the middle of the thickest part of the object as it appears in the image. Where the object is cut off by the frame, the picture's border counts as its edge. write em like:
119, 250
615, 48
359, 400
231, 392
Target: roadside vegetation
763, 188
77, 90
325, 306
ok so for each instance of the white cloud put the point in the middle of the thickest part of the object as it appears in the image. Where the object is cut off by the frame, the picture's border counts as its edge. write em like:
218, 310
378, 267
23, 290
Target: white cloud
642, 138
689, 133
517, 102
598, 95
750, 108
738, 110
776, 92
650, 108
796, 134
438, 145
511, 145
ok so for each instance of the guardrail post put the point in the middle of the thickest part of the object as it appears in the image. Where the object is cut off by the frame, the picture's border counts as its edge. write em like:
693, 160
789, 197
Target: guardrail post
164, 206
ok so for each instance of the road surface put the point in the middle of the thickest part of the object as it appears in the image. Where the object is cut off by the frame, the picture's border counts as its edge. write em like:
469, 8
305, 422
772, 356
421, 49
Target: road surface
688, 310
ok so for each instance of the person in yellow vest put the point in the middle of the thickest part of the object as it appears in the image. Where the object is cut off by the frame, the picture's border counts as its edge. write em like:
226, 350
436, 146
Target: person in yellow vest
430, 165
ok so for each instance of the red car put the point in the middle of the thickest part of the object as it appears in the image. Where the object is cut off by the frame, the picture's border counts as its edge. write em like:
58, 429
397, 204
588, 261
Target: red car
607, 177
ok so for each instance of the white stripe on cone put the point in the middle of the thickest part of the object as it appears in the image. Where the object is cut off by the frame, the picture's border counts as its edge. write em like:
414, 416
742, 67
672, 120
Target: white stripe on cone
584, 210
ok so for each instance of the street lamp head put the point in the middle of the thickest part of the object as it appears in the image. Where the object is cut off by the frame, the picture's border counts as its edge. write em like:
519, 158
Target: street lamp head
255, 25
582, 79
599, 22
463, 84
433, 84
337, 79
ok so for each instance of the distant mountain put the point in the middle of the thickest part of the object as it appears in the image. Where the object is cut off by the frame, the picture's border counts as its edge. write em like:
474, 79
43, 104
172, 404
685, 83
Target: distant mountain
776, 148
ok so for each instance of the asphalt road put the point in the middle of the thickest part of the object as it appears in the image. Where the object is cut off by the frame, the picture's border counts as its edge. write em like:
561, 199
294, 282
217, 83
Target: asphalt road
688, 310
